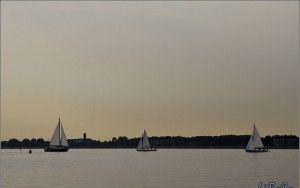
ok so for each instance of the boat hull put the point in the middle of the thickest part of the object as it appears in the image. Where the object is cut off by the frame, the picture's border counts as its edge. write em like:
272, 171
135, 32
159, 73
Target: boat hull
146, 150
261, 150
56, 149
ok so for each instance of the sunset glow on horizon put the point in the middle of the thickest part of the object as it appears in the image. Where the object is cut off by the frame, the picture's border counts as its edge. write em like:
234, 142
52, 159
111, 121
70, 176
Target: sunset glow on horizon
172, 68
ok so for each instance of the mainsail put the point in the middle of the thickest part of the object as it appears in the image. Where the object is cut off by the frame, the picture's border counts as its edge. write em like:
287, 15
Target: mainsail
59, 136
63, 140
255, 140
55, 137
146, 144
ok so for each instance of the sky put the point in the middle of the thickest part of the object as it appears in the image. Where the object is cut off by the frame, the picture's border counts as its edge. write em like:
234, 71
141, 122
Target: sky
172, 68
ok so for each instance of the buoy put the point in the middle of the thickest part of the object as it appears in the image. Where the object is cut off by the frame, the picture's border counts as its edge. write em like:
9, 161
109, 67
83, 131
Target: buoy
30, 151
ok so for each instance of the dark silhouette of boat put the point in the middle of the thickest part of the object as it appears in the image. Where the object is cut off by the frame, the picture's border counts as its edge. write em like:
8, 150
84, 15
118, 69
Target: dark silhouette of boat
58, 141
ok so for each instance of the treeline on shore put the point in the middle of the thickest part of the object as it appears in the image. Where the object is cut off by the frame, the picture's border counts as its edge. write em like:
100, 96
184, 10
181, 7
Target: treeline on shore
224, 141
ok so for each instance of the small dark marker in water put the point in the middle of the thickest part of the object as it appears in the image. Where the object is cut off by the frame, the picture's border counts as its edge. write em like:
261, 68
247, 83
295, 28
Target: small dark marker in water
30, 151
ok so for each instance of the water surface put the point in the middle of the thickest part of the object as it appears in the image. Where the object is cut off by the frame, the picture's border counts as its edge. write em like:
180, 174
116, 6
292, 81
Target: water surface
166, 168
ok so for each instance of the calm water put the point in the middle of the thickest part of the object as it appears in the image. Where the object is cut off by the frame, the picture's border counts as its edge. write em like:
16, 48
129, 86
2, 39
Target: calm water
166, 168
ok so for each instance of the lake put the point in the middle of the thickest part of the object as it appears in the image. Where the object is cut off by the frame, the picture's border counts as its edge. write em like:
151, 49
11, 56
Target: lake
166, 168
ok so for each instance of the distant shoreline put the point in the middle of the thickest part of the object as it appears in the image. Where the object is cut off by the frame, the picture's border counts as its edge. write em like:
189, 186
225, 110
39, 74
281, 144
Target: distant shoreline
163, 142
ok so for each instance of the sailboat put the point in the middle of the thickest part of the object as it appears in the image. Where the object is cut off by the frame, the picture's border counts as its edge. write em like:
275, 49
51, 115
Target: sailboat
144, 144
255, 144
58, 141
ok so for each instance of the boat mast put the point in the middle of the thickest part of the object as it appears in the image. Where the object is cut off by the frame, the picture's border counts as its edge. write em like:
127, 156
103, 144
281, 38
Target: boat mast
142, 140
59, 136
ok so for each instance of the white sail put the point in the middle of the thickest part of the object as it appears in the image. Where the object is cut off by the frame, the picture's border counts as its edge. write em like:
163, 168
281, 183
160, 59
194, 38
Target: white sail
146, 144
63, 141
255, 140
55, 137
140, 146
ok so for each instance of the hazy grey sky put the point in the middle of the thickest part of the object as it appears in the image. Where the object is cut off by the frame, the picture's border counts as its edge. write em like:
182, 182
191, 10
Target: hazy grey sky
174, 68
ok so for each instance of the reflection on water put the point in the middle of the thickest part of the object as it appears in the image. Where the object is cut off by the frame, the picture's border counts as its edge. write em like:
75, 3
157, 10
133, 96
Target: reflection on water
166, 168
